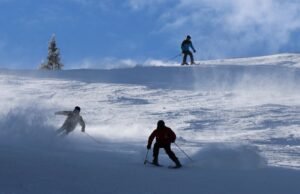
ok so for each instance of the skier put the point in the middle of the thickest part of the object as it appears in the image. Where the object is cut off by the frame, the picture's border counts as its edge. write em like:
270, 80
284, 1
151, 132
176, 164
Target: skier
185, 47
164, 137
73, 118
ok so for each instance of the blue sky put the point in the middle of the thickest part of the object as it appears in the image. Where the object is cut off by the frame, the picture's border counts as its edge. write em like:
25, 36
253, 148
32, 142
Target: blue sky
98, 33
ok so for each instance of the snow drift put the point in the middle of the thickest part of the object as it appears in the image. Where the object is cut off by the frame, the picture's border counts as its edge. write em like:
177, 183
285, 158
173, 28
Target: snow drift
25, 123
230, 156
29, 127
274, 73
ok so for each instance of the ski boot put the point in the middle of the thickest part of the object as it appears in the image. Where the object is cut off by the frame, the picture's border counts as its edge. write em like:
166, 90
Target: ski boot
178, 164
155, 162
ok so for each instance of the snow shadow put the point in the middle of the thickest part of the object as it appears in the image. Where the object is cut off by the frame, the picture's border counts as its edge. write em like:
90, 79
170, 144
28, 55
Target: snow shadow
230, 156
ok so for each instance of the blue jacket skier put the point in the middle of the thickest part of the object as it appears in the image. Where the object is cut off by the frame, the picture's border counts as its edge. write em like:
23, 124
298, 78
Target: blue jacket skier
185, 47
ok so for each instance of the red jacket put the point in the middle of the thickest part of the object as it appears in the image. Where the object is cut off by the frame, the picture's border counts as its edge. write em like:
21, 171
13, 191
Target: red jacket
164, 135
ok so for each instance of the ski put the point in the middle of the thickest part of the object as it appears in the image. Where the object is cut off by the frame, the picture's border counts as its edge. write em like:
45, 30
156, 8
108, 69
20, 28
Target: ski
148, 162
194, 64
159, 165
174, 167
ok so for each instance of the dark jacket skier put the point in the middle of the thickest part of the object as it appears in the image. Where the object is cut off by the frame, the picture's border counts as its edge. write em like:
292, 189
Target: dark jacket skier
164, 137
73, 118
185, 47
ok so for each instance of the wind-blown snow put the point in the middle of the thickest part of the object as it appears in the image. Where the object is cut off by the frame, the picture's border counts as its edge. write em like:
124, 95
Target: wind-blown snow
238, 120
230, 156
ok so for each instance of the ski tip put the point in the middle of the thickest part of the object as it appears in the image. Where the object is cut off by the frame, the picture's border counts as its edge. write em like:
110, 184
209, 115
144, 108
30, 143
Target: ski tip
174, 167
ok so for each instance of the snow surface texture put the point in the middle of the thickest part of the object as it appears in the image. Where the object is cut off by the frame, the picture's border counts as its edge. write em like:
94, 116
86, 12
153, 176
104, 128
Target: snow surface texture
237, 119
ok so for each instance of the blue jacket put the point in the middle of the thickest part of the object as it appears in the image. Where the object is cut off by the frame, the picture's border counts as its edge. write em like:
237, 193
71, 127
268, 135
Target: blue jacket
186, 45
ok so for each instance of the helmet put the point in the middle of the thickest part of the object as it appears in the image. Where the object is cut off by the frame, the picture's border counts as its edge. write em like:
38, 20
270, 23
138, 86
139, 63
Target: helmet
188, 37
77, 108
160, 124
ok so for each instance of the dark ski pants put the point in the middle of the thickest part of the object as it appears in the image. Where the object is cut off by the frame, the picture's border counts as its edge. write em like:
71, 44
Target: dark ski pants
168, 150
185, 54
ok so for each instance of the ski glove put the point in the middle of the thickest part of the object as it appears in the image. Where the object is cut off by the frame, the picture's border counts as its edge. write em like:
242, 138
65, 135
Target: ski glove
148, 147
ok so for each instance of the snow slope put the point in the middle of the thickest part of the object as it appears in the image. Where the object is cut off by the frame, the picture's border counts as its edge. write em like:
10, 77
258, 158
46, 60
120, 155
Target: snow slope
238, 120
287, 60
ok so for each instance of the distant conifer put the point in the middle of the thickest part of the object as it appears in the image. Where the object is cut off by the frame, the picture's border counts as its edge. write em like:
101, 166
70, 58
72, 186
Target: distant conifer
53, 59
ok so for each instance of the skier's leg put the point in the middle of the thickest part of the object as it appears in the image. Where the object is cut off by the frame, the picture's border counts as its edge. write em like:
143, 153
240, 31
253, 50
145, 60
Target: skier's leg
192, 58
171, 155
155, 153
63, 134
68, 131
60, 130
184, 59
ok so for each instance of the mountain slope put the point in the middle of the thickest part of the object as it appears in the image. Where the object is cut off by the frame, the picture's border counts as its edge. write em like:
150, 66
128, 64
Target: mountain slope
238, 119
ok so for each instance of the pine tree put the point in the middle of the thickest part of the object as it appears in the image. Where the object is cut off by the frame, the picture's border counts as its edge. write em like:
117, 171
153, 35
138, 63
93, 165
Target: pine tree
53, 59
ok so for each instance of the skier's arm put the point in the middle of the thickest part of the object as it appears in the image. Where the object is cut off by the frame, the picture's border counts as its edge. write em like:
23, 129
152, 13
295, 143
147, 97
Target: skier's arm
172, 136
150, 139
191, 45
63, 113
82, 123
182, 47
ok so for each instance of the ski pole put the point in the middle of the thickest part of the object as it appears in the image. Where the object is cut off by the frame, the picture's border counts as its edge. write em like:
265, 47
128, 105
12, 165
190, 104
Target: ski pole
183, 152
92, 138
146, 157
174, 57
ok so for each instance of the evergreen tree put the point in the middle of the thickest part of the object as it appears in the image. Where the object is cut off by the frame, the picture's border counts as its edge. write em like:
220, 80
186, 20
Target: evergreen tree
53, 59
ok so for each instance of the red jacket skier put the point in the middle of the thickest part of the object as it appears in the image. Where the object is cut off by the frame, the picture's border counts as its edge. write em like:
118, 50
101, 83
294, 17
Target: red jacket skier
164, 137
